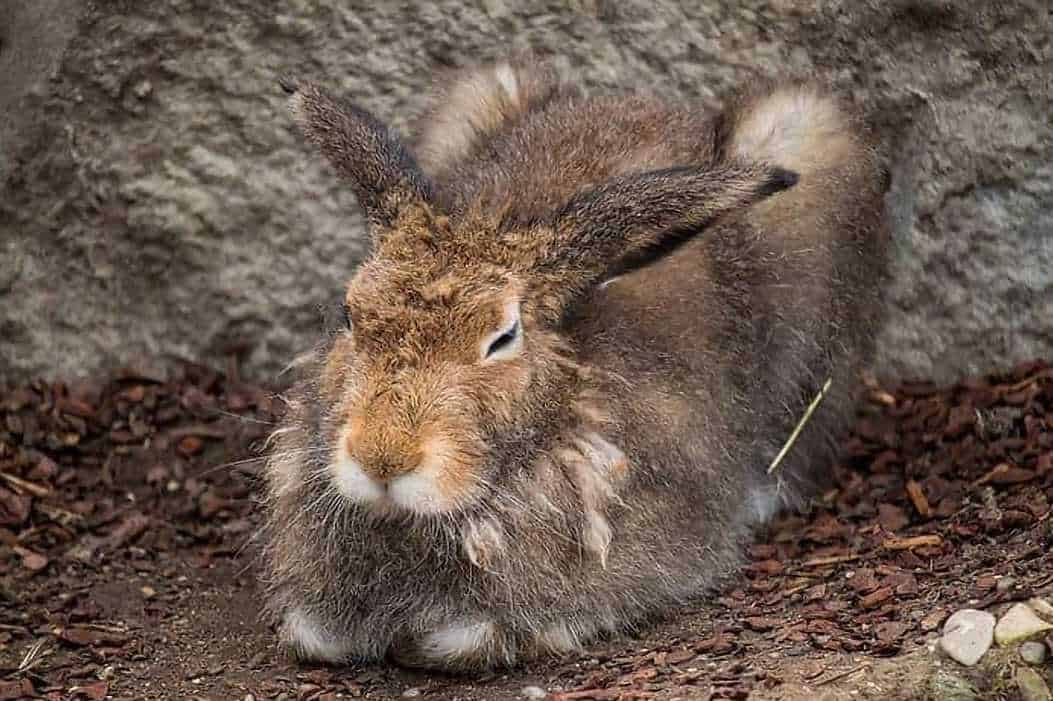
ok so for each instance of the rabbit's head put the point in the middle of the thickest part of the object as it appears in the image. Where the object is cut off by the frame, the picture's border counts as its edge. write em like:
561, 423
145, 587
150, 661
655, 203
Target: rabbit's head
452, 366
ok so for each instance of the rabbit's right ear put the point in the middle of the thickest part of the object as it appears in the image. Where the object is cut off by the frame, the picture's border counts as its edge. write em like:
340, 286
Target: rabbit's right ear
616, 225
384, 175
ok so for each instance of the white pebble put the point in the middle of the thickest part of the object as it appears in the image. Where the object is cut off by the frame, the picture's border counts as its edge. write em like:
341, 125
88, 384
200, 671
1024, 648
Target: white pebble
533, 692
967, 635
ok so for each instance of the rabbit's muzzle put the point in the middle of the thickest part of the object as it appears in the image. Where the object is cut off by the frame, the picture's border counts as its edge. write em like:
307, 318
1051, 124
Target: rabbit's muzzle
391, 468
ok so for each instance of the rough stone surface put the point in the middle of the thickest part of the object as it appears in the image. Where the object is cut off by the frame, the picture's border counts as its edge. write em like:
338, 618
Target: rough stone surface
1032, 686
1032, 652
967, 635
1019, 623
155, 202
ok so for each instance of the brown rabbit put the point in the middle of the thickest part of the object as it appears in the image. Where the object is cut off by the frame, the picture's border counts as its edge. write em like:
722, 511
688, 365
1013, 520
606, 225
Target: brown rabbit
587, 328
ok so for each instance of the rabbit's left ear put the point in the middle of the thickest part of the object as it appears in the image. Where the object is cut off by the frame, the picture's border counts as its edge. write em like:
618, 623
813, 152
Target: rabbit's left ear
382, 172
634, 216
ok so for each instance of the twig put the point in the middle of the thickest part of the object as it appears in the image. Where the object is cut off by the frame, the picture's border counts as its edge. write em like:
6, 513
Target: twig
841, 675
800, 425
832, 560
915, 542
19, 483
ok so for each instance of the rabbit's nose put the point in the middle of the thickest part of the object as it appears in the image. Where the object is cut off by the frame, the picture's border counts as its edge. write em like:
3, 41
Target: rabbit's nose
379, 455
384, 468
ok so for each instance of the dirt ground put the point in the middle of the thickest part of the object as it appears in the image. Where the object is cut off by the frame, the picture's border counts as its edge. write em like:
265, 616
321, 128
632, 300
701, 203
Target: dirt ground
127, 568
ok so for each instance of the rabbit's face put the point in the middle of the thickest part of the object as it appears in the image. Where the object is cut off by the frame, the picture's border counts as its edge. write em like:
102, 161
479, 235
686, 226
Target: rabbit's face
432, 363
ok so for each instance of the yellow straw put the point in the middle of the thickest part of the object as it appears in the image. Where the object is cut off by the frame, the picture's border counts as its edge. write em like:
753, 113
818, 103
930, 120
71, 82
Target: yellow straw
800, 425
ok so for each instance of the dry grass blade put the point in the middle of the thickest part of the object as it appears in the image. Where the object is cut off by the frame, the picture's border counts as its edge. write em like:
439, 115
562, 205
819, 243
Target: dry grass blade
800, 425
33, 656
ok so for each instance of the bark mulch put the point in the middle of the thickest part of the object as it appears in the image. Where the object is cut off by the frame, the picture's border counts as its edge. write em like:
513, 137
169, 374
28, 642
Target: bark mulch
127, 513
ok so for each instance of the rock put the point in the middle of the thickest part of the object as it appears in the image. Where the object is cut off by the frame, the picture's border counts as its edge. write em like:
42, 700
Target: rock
947, 686
967, 635
201, 224
1006, 583
1032, 652
533, 692
412, 693
1043, 608
1031, 685
1018, 624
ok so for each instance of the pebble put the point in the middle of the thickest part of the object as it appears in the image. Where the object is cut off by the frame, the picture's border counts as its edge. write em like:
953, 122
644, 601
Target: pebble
1018, 624
1031, 685
411, 693
1005, 583
967, 635
533, 692
1043, 608
1034, 653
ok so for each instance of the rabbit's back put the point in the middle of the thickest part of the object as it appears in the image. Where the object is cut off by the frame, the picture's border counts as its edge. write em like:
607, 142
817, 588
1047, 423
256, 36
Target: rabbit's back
735, 333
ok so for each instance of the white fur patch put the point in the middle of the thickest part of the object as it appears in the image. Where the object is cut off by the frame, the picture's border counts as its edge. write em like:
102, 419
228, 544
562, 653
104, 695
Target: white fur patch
506, 76
764, 502
484, 541
351, 480
309, 641
558, 638
458, 641
597, 536
792, 128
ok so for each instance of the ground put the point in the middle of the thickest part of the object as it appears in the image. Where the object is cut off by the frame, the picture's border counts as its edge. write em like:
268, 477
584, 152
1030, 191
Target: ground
127, 568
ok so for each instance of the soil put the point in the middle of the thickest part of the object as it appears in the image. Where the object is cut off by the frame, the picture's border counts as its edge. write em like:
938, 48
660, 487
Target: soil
127, 570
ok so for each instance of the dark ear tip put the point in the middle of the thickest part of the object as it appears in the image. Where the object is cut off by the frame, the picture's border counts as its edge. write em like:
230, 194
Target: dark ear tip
780, 179
288, 83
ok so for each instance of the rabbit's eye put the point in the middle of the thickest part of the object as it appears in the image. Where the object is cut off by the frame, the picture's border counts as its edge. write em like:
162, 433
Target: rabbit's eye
504, 342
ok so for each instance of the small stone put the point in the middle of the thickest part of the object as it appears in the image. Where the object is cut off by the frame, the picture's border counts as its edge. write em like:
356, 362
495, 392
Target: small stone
1031, 685
967, 635
1018, 624
533, 692
946, 686
1043, 608
412, 693
1005, 584
1034, 653
148, 592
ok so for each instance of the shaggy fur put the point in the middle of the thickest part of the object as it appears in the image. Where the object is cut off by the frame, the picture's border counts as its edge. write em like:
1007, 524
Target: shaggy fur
672, 289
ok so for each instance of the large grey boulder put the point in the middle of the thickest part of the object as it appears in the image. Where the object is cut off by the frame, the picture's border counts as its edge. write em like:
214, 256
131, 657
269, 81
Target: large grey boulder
155, 202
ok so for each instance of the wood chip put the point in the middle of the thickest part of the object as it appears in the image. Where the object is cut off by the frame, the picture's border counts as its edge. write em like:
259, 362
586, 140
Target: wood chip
914, 542
917, 497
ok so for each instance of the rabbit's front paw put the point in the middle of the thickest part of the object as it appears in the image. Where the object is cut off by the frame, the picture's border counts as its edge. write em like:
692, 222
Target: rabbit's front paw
459, 645
308, 640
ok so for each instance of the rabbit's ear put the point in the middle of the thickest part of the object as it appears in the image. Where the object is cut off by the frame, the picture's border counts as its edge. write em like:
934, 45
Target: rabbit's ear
382, 172
636, 217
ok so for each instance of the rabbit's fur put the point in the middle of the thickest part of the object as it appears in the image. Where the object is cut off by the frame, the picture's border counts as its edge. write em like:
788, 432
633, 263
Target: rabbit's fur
684, 285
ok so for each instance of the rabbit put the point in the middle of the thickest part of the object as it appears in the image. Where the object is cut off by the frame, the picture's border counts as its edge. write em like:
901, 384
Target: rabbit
587, 328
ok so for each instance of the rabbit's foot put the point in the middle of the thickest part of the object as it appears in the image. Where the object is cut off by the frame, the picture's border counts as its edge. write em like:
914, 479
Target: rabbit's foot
460, 645
308, 640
